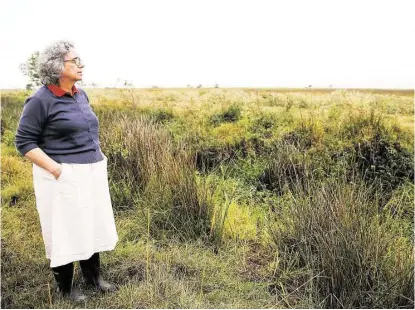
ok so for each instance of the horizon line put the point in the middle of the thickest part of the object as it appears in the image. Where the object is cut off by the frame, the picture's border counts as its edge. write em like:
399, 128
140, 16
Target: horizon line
226, 87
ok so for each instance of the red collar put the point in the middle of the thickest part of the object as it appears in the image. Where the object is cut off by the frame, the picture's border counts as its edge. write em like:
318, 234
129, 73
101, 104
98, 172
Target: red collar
57, 91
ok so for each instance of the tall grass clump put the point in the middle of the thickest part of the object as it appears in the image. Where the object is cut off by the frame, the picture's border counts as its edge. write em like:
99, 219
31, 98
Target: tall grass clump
286, 167
151, 173
351, 254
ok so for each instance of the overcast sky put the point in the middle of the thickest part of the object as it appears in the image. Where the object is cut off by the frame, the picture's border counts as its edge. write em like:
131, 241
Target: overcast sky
254, 43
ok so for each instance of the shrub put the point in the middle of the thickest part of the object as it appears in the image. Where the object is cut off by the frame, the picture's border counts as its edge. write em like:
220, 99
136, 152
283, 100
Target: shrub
263, 125
231, 114
384, 162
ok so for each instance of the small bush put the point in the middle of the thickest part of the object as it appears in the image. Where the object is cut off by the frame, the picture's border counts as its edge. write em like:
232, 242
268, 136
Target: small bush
263, 125
231, 114
384, 162
161, 116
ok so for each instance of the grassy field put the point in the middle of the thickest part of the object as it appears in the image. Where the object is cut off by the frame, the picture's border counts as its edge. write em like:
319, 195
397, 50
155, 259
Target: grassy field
235, 198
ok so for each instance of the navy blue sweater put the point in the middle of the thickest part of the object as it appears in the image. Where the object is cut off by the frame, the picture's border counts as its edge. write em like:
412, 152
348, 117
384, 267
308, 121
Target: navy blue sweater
63, 126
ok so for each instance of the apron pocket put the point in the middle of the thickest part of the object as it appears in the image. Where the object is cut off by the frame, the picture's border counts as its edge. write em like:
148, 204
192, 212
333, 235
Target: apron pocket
44, 173
67, 185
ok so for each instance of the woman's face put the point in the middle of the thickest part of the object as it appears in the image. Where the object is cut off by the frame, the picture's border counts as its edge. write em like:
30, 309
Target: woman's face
70, 70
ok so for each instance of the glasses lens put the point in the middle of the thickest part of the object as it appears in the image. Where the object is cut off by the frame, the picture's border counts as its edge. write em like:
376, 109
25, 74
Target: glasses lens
78, 61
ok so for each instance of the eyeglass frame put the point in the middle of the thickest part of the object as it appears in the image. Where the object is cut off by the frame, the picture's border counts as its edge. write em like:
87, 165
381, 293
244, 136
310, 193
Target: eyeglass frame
77, 61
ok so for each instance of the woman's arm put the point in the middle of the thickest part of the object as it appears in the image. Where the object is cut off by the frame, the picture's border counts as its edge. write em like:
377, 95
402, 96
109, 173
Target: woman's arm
39, 158
29, 132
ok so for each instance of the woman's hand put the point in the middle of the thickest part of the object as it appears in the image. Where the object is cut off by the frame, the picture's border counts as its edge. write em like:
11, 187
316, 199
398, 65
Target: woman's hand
57, 172
39, 158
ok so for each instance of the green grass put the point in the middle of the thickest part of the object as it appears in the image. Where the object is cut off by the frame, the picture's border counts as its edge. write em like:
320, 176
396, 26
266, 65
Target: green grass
235, 198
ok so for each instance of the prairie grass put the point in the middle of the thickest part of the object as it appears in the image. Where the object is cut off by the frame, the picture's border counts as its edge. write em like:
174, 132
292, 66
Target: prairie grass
355, 255
235, 198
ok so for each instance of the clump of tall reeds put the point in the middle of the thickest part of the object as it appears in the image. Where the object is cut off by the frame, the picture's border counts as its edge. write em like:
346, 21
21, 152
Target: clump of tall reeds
150, 172
353, 255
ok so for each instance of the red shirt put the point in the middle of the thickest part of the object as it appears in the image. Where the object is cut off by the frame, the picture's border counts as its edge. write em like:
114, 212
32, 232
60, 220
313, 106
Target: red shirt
57, 91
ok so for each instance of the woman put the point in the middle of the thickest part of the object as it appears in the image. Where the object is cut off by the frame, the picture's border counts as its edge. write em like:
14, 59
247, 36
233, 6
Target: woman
58, 133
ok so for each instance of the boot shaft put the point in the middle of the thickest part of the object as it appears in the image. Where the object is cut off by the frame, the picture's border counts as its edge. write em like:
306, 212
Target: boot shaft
92, 274
91, 269
64, 277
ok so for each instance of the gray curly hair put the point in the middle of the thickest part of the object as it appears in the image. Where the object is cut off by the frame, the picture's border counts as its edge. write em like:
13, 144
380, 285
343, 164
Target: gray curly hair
50, 61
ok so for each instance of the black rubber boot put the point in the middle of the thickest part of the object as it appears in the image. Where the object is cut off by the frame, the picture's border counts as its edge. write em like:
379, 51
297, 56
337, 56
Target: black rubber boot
91, 272
64, 276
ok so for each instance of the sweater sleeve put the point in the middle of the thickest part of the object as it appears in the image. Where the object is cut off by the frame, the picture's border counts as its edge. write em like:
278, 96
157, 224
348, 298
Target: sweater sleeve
30, 128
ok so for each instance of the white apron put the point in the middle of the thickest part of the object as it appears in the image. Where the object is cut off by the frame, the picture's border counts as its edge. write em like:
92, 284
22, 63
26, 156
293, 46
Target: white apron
75, 212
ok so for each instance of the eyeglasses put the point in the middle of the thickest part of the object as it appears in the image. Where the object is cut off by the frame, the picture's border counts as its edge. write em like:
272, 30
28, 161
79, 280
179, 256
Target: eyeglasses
77, 61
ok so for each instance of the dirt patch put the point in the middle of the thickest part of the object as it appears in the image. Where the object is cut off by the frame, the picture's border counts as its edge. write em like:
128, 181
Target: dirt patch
257, 259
